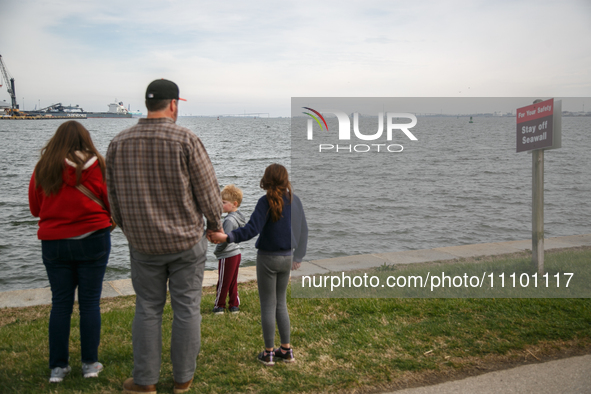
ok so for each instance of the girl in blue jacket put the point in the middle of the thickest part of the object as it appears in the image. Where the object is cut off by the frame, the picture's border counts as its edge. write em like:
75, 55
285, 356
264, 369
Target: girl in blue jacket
279, 219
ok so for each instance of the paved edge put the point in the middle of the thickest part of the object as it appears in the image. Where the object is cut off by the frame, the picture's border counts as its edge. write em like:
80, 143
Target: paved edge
123, 287
568, 375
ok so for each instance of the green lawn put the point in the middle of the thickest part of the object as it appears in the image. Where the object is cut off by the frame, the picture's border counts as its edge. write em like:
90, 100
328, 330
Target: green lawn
340, 344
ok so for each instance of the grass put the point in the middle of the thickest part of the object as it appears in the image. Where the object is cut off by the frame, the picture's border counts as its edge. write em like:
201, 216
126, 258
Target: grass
567, 275
342, 345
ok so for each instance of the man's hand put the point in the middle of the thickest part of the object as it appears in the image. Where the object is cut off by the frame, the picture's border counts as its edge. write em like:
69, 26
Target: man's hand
295, 265
217, 237
214, 236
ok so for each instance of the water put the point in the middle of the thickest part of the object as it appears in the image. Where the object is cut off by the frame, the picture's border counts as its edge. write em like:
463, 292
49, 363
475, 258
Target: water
240, 150
459, 184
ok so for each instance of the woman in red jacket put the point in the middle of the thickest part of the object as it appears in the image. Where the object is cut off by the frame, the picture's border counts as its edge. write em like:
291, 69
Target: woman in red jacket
75, 241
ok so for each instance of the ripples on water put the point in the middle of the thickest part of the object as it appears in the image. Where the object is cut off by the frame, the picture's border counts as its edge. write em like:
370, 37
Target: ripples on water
240, 149
458, 184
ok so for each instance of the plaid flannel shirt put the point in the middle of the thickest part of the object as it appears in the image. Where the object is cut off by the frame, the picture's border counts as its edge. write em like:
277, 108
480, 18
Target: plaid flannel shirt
161, 183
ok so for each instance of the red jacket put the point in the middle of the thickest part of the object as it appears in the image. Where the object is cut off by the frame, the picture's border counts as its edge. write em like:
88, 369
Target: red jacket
69, 213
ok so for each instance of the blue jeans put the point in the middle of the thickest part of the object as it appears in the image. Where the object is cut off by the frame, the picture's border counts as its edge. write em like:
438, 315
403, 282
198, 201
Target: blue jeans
70, 264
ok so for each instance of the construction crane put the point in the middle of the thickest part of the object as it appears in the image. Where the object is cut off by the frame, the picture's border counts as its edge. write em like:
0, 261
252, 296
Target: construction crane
10, 87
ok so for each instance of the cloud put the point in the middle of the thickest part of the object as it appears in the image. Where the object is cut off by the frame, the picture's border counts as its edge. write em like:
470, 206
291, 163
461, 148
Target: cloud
256, 54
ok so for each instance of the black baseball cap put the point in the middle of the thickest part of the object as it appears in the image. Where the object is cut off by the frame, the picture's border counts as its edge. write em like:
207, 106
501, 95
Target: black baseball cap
163, 89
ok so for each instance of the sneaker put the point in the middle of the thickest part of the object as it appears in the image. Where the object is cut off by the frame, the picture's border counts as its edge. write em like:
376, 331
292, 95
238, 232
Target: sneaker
92, 370
266, 358
235, 309
218, 310
58, 374
286, 357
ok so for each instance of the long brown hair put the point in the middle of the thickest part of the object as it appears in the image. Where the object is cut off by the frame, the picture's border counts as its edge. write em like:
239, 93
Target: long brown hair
276, 182
70, 137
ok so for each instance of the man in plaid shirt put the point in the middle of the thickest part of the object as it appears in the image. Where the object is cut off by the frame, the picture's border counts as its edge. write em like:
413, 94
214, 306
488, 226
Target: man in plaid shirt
161, 183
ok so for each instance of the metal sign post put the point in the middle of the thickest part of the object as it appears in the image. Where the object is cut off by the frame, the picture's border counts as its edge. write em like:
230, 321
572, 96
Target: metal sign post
537, 210
539, 127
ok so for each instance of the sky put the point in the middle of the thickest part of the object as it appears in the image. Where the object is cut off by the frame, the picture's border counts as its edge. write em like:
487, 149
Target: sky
236, 57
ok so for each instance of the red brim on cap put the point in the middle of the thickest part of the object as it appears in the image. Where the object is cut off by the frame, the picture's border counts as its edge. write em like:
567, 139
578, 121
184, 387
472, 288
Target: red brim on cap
182, 99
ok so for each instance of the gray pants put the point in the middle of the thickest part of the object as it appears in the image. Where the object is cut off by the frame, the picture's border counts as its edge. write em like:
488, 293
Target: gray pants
272, 280
149, 275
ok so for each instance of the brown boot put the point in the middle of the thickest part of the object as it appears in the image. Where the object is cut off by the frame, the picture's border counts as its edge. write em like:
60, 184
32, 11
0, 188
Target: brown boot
130, 387
182, 387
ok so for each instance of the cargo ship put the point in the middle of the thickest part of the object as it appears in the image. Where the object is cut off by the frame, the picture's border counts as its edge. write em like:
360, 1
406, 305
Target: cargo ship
116, 110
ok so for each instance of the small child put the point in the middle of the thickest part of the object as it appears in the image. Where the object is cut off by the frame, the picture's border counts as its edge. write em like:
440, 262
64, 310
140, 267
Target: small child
229, 253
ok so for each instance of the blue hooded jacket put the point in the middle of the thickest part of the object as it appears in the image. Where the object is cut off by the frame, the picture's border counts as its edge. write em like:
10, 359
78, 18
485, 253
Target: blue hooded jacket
288, 234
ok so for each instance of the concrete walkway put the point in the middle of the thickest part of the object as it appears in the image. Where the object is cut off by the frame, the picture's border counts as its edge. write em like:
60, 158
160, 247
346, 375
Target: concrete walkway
567, 376
114, 288
123, 287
